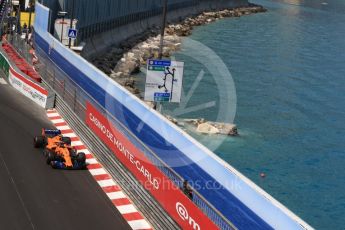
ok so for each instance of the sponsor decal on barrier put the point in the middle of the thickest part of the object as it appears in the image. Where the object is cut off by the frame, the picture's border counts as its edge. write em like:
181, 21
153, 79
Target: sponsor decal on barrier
179, 207
28, 88
183, 213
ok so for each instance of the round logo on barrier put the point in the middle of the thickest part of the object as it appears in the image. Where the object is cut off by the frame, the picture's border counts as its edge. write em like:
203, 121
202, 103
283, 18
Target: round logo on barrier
182, 211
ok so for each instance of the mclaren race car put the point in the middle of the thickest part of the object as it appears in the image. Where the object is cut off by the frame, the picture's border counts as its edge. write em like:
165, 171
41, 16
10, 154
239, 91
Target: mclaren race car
58, 150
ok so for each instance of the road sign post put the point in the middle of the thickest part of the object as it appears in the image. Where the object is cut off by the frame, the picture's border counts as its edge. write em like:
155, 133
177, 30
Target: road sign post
164, 81
72, 33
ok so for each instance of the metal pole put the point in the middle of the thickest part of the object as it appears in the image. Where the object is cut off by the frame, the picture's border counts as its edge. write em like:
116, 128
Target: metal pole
71, 23
29, 26
164, 19
63, 14
63, 22
18, 26
2, 20
157, 104
10, 18
30, 14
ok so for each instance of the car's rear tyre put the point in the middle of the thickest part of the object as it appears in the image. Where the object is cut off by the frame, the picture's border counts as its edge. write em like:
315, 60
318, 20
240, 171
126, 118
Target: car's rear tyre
73, 154
66, 140
39, 141
51, 157
45, 152
81, 158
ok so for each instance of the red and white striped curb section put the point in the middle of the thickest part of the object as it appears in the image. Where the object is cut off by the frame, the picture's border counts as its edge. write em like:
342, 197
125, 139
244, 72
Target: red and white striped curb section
109, 186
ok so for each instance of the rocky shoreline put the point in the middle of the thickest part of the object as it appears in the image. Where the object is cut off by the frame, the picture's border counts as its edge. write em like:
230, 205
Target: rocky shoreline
126, 59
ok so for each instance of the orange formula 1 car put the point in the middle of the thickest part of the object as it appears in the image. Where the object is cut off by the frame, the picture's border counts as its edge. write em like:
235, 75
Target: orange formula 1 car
58, 150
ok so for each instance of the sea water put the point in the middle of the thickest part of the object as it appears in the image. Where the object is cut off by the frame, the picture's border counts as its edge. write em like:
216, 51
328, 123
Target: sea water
288, 69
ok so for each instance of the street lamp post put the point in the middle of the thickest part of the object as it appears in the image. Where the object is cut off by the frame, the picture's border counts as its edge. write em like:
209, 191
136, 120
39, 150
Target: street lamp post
62, 14
71, 23
164, 19
30, 14
10, 18
28, 29
157, 105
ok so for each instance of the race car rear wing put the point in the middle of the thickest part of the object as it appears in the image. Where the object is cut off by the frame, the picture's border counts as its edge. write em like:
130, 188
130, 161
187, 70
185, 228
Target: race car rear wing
51, 132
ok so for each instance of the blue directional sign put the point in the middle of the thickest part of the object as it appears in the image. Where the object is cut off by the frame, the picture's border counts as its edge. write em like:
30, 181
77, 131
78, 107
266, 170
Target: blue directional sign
72, 33
159, 63
162, 96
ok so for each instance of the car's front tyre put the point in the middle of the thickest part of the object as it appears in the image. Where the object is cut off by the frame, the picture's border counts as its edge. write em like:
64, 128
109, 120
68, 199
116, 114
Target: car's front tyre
51, 157
39, 141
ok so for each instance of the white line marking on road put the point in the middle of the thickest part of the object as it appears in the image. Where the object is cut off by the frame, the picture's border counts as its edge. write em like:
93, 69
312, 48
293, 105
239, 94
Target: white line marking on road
70, 135
106, 183
139, 224
86, 151
76, 143
2, 81
65, 127
116, 195
128, 208
58, 121
96, 172
53, 115
91, 161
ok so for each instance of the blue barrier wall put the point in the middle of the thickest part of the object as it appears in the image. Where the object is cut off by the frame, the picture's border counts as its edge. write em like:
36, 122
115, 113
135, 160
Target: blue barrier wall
245, 205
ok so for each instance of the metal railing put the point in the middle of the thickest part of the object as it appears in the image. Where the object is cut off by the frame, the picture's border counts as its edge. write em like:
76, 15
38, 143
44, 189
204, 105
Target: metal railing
75, 97
88, 31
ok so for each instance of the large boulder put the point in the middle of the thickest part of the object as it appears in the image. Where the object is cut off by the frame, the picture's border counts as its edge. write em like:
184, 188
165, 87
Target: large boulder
227, 129
207, 128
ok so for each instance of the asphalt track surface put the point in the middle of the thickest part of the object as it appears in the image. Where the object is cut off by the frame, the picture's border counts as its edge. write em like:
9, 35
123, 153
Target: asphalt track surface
35, 196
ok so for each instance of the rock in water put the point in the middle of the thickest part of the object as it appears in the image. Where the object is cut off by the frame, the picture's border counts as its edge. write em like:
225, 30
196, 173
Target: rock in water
210, 127
227, 129
207, 128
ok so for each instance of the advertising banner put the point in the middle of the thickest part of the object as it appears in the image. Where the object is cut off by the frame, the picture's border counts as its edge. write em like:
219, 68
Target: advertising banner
4, 64
179, 207
28, 88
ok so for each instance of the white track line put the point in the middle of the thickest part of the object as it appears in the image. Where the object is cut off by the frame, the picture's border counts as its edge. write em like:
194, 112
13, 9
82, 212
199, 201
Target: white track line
76, 143
2, 81
86, 151
69, 134
125, 209
53, 115
55, 121
65, 127
91, 161
106, 183
95, 172
139, 224
116, 195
